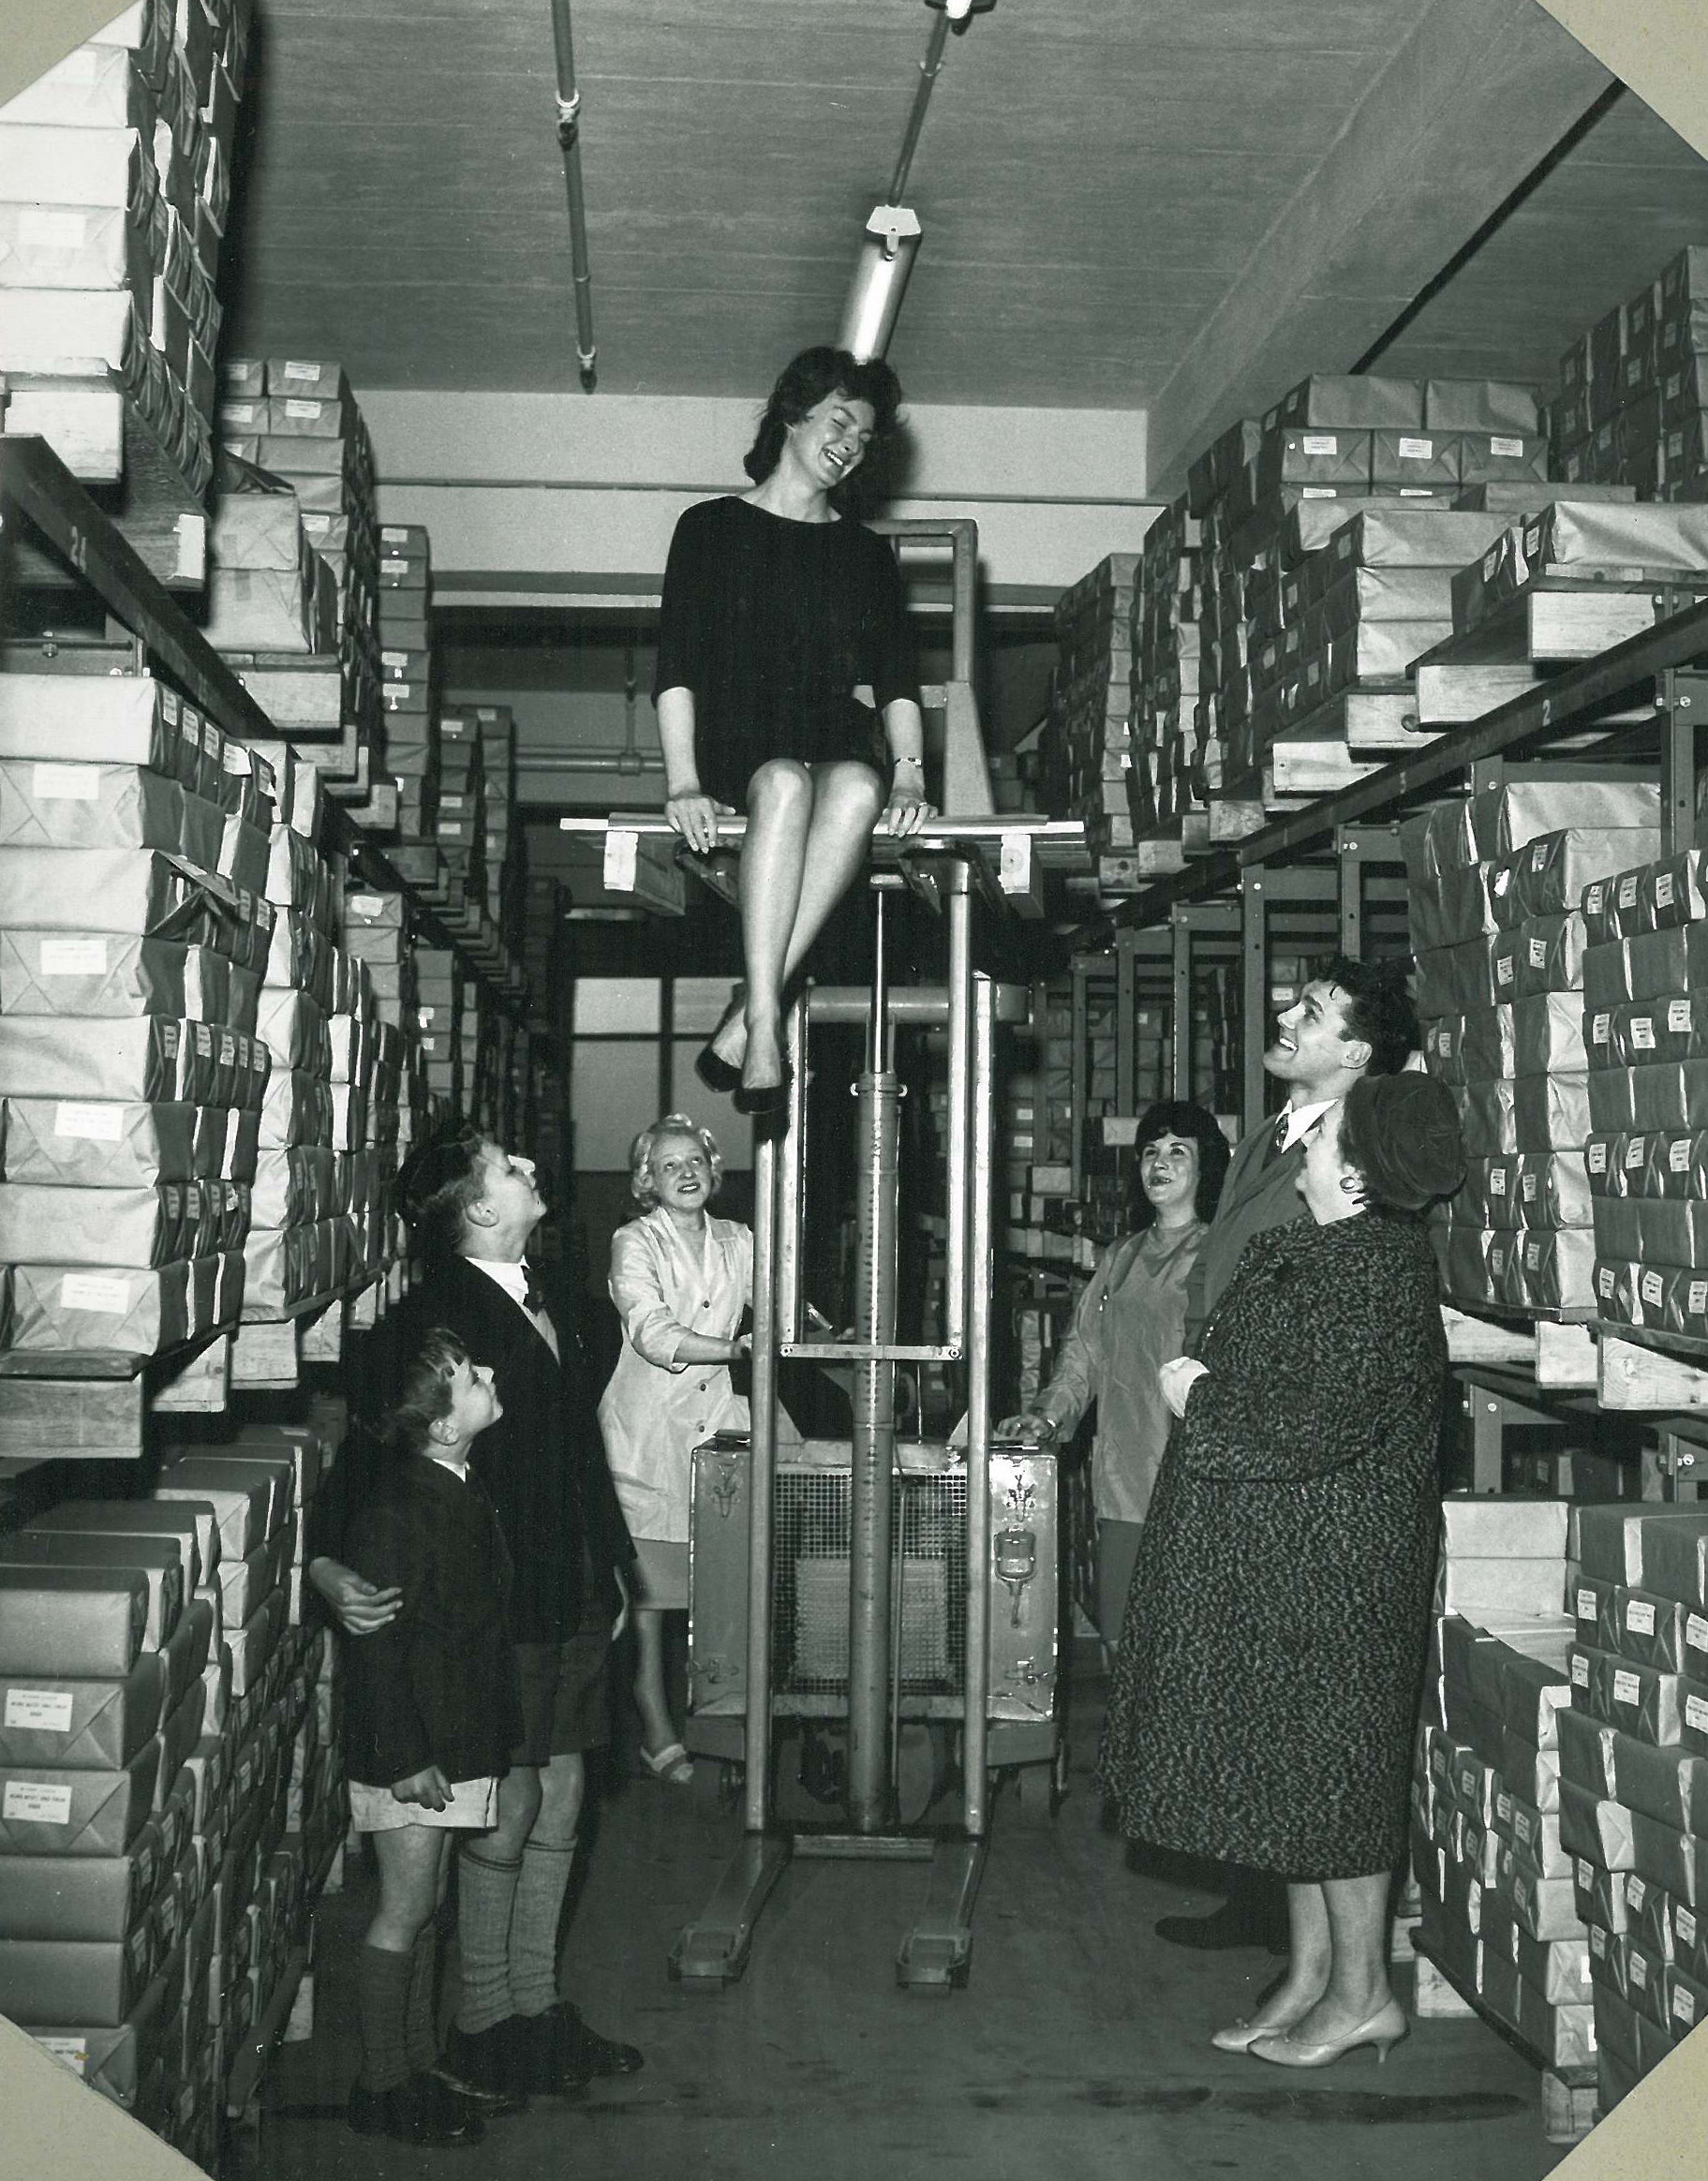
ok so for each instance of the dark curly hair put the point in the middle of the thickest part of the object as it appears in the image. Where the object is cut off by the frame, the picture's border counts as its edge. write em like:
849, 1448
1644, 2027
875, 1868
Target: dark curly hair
1180, 1116
1378, 1010
436, 1183
802, 384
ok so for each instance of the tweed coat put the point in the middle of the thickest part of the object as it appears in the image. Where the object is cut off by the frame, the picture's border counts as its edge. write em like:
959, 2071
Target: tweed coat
1266, 1690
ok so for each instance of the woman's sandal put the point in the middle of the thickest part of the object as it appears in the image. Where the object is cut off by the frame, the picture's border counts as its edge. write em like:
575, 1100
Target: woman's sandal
672, 1763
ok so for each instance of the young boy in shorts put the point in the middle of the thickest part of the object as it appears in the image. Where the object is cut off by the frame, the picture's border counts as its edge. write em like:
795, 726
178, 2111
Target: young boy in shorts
430, 1715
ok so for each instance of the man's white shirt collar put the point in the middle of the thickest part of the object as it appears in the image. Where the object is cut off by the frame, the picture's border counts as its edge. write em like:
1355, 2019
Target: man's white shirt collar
513, 1279
1299, 1120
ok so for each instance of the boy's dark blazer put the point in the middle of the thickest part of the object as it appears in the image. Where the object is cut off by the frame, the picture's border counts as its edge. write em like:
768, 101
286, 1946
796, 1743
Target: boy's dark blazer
543, 1462
438, 1685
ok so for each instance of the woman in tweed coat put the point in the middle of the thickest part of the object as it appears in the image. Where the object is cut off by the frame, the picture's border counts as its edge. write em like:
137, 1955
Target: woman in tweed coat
1266, 1691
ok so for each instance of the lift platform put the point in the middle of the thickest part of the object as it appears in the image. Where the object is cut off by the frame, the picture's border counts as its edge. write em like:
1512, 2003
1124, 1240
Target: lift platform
1015, 856
874, 1586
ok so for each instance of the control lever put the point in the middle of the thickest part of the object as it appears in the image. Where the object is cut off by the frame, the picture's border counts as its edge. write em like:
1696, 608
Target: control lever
1016, 1562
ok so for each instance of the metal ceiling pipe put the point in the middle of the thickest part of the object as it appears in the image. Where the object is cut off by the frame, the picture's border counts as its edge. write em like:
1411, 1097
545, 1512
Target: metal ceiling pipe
569, 141
929, 69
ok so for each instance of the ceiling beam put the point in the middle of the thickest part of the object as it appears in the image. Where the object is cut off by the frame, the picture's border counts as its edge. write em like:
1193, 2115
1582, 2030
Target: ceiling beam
1479, 93
1655, 46
562, 495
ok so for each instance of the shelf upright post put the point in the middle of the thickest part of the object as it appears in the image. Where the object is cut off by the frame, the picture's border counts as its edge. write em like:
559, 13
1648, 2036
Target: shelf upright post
1351, 863
1126, 1026
1684, 707
1180, 1025
1079, 1082
1255, 993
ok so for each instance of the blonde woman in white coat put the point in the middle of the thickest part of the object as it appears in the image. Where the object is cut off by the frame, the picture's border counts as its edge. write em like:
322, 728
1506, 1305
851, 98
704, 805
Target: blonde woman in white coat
680, 1280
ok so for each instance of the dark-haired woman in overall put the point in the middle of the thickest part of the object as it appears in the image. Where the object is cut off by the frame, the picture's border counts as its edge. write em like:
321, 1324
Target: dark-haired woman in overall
778, 611
1127, 1324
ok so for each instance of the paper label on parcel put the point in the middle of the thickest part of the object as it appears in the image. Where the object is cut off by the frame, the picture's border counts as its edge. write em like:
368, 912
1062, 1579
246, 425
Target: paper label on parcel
46, 1710
36, 1803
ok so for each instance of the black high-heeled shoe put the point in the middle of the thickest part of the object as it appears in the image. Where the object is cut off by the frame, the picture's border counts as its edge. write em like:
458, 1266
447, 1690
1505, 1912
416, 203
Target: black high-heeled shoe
767, 1098
717, 1073
713, 1070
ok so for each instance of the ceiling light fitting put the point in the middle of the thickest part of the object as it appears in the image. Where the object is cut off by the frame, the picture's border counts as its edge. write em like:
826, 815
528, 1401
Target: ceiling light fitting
893, 233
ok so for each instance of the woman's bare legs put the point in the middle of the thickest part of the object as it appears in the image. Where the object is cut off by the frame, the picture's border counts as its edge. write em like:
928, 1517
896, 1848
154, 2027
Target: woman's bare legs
658, 1729
1356, 1985
1308, 1963
808, 835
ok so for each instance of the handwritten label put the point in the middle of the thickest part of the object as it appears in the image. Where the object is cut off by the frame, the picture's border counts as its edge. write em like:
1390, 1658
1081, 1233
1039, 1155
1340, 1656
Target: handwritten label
66, 783
73, 958
106, 1296
97, 1124
1639, 1616
1627, 1689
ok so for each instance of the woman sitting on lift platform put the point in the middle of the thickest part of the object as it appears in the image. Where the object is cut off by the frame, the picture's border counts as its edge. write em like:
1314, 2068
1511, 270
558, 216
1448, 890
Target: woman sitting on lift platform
778, 611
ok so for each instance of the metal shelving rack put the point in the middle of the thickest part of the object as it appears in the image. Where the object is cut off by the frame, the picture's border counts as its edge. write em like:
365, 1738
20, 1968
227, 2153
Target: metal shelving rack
56, 1406
1335, 864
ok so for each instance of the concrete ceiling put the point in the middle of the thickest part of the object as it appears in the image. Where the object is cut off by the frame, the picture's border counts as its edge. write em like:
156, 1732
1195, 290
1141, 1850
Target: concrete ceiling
1127, 203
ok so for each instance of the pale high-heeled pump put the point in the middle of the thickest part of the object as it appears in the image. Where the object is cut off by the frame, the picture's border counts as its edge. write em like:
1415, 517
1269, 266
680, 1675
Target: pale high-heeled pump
1384, 2029
1239, 2037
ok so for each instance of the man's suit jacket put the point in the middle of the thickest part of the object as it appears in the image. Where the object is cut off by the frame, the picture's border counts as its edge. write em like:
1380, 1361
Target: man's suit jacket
1255, 1197
543, 1463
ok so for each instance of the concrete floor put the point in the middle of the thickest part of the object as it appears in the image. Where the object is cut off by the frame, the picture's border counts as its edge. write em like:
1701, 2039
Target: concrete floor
1079, 2049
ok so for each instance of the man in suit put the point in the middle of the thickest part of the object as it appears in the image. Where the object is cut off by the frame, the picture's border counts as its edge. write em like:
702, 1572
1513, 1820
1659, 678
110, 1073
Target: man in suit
1355, 1019
474, 1208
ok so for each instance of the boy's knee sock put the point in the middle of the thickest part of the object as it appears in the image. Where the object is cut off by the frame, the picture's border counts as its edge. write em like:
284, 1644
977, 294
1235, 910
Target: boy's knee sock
533, 1927
382, 1986
486, 1892
421, 2024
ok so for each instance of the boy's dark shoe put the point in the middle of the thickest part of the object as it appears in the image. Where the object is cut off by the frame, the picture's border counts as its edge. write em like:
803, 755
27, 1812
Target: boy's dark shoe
568, 2055
420, 2111
490, 2104
486, 2062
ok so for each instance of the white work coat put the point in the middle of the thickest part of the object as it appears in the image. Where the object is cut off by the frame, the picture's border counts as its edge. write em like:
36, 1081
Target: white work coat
656, 1410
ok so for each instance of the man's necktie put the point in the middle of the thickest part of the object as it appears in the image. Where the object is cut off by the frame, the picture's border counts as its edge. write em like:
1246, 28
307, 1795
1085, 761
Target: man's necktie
533, 1295
1278, 1140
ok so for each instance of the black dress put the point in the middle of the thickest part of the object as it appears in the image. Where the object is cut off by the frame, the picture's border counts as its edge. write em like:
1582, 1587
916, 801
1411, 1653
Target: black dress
773, 624
1266, 1690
